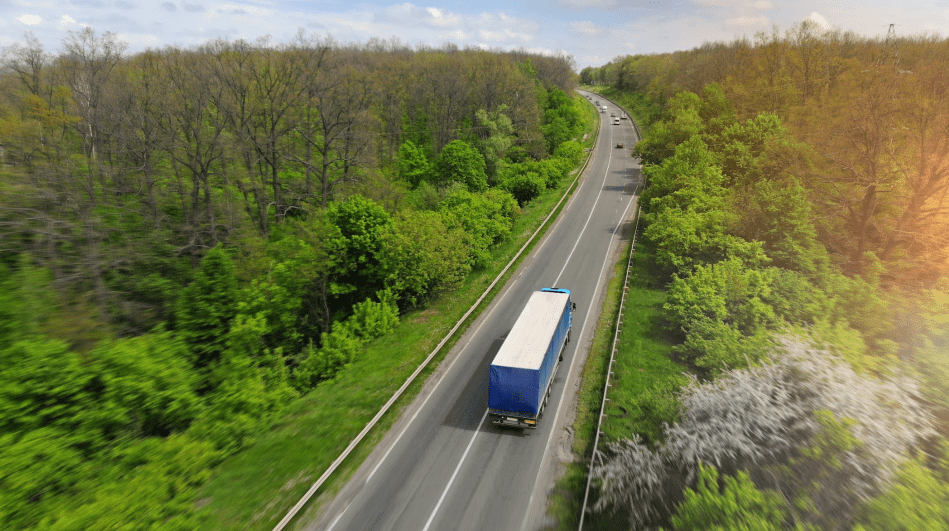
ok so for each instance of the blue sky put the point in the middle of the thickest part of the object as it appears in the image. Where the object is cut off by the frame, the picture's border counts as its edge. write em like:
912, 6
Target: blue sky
592, 31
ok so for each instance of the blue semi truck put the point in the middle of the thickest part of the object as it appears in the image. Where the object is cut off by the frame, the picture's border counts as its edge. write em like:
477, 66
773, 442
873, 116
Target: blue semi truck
523, 369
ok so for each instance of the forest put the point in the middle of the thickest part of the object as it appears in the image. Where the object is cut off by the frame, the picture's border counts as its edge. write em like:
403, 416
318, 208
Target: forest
195, 238
795, 220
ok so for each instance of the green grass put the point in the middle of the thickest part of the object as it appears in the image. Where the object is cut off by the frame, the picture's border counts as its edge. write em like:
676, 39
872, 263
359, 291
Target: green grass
564, 503
644, 357
256, 487
643, 360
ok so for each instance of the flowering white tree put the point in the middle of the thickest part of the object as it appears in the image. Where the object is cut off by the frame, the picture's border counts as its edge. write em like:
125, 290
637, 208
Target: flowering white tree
805, 425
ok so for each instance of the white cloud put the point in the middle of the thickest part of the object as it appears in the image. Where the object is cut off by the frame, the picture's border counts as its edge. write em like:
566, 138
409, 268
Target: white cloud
736, 4
441, 18
587, 4
760, 20
143, 40
586, 28
505, 35
30, 20
412, 15
819, 20
65, 21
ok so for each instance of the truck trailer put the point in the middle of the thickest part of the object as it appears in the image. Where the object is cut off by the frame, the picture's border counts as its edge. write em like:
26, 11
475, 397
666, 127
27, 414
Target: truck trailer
523, 369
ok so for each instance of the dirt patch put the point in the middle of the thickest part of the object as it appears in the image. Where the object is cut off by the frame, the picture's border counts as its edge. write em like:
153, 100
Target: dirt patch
425, 316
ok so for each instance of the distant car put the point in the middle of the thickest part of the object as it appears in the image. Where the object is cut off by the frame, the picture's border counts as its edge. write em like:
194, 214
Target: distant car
620, 145
623, 117
612, 114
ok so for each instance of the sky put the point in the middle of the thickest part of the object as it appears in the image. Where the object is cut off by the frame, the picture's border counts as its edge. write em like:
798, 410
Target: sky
593, 32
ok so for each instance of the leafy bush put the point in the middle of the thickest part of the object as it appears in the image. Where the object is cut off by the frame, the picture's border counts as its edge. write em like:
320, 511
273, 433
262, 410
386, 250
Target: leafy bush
486, 219
523, 185
421, 256
460, 162
659, 405
737, 504
340, 346
721, 313
371, 319
917, 501
570, 152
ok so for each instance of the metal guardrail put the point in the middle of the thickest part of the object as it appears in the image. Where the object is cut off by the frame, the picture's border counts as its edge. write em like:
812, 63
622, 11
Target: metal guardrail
619, 326
385, 408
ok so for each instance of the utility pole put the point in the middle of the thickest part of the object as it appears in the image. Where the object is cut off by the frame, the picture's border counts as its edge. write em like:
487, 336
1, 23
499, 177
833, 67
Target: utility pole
890, 46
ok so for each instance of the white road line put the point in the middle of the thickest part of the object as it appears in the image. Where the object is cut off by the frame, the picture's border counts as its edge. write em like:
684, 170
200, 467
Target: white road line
483, 321
332, 525
606, 174
563, 393
455, 473
422, 405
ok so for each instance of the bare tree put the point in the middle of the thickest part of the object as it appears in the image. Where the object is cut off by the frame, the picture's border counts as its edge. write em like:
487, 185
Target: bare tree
86, 65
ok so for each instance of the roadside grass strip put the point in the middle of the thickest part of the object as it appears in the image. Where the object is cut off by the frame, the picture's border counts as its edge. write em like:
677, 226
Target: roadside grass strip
564, 503
255, 488
643, 362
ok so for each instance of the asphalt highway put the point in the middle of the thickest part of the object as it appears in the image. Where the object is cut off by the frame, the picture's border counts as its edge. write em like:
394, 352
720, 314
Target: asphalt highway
443, 465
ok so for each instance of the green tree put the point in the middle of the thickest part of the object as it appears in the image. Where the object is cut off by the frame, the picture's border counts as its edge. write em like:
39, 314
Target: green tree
918, 500
421, 256
460, 162
144, 387
735, 505
683, 123
780, 217
720, 311
413, 165
207, 307
355, 241
496, 139
562, 118
688, 218
522, 184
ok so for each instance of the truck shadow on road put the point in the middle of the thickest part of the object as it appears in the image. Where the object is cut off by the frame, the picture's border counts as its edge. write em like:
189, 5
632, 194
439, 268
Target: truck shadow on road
471, 404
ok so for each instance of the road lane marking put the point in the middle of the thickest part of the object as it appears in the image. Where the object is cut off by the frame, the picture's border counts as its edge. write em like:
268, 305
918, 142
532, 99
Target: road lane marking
606, 174
487, 315
477, 329
455, 473
563, 392
332, 525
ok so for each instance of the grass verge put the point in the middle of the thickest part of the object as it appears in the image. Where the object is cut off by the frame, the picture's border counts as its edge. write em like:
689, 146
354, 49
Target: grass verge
643, 362
256, 487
